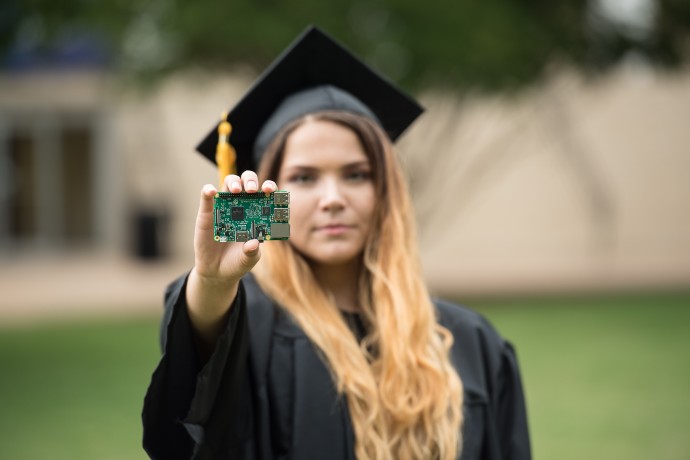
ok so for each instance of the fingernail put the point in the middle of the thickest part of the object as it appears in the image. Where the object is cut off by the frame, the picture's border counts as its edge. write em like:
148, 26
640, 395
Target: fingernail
251, 184
235, 185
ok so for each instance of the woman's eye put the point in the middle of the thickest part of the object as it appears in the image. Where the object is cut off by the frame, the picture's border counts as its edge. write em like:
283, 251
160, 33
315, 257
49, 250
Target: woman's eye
359, 175
301, 178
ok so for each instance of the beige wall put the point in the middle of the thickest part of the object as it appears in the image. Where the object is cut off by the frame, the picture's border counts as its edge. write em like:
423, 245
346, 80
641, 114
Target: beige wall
575, 184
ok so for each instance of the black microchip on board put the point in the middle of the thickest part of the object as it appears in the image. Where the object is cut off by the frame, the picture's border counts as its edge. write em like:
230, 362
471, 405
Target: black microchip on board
237, 213
266, 211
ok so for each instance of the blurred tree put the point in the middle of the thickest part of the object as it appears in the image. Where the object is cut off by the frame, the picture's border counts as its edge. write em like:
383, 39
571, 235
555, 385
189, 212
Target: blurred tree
487, 44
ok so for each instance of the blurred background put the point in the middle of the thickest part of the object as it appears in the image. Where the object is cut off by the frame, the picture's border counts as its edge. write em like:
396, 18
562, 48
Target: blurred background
549, 175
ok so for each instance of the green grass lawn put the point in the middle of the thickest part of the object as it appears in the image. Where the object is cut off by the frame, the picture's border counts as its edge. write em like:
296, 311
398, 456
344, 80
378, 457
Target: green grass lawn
74, 391
606, 378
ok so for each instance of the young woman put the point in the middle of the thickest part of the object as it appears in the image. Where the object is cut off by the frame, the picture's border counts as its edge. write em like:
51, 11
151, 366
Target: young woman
331, 347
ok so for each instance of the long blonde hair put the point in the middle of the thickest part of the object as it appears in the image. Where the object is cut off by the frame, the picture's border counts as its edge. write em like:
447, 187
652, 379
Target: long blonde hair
403, 394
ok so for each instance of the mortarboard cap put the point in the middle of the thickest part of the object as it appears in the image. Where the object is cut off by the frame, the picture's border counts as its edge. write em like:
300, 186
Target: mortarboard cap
313, 74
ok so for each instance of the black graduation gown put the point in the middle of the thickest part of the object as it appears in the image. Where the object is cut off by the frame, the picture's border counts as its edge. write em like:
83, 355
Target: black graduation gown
265, 393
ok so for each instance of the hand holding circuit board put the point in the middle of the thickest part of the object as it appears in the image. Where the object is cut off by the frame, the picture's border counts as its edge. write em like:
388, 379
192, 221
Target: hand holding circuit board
214, 281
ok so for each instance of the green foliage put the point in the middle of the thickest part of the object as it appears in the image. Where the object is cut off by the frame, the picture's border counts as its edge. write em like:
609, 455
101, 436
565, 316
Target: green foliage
459, 44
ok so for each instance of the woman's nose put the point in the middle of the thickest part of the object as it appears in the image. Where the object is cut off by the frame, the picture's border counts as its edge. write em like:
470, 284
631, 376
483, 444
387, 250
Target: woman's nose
332, 195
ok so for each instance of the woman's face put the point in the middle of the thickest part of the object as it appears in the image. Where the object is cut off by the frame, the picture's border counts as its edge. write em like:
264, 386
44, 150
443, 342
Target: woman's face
332, 198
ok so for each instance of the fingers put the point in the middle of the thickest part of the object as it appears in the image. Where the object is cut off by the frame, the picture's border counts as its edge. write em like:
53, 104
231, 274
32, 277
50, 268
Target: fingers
207, 193
204, 219
232, 184
269, 186
249, 182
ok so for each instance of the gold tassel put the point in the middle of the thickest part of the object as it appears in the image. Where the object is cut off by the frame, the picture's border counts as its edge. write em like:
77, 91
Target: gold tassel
225, 153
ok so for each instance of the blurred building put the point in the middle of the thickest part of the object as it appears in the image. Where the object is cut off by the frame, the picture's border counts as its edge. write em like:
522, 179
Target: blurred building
575, 184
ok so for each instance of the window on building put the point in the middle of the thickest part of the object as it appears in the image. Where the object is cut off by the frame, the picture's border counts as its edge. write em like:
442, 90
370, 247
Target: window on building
46, 179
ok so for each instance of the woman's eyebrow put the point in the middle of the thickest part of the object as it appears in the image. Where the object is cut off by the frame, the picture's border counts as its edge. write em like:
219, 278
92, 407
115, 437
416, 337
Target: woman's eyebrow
301, 168
356, 164
307, 168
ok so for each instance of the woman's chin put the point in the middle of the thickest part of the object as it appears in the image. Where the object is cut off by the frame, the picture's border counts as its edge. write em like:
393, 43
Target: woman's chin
333, 256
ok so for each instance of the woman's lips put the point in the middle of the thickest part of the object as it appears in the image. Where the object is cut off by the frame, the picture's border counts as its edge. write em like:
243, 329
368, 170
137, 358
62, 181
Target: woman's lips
334, 229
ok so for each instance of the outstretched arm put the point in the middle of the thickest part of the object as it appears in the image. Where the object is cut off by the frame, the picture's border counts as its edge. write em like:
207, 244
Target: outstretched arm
218, 267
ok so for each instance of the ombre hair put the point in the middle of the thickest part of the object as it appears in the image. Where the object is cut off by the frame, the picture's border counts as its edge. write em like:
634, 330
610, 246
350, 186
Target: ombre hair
403, 394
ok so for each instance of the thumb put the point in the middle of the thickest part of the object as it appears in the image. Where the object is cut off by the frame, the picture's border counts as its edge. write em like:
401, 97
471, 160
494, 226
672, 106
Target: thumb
250, 254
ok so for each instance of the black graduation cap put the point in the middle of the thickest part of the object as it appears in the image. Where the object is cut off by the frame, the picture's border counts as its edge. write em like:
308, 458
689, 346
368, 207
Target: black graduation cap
315, 73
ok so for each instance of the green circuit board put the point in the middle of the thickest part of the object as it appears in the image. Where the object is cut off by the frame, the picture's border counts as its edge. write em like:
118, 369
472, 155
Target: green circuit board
239, 217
